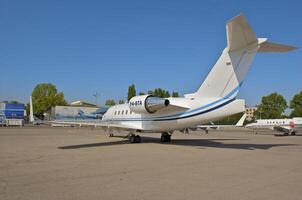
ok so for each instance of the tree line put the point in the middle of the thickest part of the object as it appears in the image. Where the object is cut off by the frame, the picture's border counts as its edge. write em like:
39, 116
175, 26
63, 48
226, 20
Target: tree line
273, 106
158, 92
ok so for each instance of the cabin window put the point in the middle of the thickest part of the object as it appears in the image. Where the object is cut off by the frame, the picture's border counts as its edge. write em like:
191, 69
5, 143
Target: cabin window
126, 112
114, 112
118, 112
122, 112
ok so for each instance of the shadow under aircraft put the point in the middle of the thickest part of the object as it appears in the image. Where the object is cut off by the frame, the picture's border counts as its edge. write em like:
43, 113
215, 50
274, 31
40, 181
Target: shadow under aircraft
203, 143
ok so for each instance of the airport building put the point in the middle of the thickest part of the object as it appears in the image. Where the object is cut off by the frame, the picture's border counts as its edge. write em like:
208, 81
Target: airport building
12, 114
250, 113
82, 103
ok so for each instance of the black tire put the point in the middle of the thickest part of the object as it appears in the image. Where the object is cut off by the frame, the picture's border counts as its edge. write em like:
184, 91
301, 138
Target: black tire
137, 139
293, 133
132, 139
163, 138
168, 138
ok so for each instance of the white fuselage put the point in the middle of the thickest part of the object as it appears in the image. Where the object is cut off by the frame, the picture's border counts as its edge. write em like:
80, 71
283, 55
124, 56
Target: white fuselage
201, 110
290, 124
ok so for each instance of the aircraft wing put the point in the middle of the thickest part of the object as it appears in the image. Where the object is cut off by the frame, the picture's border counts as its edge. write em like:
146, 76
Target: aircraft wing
104, 125
282, 129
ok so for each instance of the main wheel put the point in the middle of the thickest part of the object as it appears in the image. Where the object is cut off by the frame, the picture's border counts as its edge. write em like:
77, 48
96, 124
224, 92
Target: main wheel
293, 133
132, 139
168, 138
137, 139
165, 137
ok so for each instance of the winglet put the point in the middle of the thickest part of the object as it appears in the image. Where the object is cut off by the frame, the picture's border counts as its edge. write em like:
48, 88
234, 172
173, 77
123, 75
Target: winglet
241, 120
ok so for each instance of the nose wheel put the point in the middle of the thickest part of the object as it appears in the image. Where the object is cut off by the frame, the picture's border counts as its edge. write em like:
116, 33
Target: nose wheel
165, 137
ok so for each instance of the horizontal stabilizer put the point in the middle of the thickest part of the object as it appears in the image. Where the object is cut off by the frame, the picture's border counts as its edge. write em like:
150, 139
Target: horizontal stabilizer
265, 46
239, 33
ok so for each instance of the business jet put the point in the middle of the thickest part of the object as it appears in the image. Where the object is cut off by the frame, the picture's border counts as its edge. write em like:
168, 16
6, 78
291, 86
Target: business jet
215, 98
285, 126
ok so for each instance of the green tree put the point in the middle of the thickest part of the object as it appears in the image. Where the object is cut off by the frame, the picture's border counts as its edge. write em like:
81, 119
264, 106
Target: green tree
121, 101
159, 92
131, 92
175, 94
271, 107
141, 93
296, 105
45, 96
150, 92
166, 94
14, 102
110, 102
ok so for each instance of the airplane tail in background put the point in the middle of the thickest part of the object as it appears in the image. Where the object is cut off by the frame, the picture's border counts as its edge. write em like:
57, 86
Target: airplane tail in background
31, 111
80, 112
227, 75
241, 120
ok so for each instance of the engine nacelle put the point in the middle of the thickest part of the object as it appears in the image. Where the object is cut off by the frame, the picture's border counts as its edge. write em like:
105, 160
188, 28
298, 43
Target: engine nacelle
147, 104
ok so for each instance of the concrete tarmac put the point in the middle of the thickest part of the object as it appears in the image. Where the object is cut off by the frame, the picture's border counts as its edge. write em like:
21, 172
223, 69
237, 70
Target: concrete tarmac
82, 163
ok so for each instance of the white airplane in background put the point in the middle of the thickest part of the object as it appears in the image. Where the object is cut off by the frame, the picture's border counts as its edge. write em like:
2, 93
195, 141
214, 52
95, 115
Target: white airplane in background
286, 126
215, 99
206, 128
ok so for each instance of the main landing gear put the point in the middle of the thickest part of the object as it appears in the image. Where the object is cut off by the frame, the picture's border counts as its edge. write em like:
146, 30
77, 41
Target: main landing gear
134, 138
165, 137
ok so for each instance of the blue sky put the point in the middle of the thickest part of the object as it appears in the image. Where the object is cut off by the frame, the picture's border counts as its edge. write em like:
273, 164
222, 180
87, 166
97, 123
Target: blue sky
85, 47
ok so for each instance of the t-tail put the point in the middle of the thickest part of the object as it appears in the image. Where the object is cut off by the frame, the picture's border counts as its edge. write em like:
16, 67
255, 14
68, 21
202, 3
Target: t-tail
227, 75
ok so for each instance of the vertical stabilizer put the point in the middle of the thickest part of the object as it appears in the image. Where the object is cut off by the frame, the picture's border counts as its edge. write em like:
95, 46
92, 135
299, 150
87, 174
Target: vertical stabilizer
241, 120
228, 73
